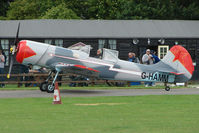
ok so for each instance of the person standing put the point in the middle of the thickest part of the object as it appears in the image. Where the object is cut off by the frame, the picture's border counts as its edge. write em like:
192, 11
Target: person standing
133, 58
148, 60
23, 70
2, 61
155, 57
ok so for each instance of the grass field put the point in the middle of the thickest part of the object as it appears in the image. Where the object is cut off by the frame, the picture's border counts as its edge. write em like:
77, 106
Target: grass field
138, 114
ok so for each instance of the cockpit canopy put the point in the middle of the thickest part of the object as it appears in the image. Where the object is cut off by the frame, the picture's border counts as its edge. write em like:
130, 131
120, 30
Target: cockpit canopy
107, 54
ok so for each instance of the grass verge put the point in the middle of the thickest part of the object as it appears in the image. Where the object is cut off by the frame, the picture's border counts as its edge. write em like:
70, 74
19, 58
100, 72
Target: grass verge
139, 114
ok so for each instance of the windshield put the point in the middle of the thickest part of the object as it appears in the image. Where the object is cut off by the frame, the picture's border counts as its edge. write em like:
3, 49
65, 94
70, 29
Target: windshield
82, 47
110, 55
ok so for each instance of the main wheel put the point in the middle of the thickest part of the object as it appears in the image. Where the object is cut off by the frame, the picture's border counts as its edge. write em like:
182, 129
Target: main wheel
50, 88
43, 86
167, 88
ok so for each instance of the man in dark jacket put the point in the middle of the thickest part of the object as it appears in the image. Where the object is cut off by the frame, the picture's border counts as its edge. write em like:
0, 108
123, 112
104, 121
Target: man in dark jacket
156, 59
133, 58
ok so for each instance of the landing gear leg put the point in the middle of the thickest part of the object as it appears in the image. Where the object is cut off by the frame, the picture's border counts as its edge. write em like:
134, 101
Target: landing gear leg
49, 76
51, 86
43, 85
167, 88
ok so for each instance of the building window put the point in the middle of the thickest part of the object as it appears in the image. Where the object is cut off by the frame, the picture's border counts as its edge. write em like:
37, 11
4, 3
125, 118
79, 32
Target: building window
5, 47
162, 51
112, 44
101, 43
48, 41
59, 42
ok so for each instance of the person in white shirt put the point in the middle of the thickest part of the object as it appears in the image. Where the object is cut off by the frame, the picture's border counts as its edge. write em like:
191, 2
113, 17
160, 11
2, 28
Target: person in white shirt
148, 60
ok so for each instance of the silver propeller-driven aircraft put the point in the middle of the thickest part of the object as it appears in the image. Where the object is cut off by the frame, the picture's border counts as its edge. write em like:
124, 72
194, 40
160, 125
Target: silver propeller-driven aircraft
176, 66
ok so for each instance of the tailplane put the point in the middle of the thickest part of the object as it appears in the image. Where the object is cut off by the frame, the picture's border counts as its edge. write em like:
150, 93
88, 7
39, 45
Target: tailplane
180, 60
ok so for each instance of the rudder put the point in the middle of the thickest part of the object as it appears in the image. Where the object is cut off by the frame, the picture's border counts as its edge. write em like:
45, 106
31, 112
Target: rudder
180, 60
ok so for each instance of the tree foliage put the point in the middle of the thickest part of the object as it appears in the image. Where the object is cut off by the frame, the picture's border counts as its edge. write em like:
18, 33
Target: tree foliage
4, 4
100, 9
29, 9
60, 12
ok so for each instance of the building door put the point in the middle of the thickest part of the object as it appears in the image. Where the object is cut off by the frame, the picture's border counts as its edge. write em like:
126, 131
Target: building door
162, 51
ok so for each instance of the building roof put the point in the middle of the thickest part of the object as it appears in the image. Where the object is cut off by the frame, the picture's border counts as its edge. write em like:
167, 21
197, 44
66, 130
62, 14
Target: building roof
100, 29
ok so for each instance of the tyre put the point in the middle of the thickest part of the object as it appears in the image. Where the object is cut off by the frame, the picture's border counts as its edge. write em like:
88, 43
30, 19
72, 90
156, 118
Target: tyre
50, 88
167, 88
43, 86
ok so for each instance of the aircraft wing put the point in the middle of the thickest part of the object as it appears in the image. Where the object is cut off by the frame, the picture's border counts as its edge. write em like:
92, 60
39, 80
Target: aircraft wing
77, 69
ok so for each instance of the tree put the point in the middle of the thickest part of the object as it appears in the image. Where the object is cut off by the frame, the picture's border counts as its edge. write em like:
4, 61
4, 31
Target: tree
104, 9
146, 9
4, 4
107, 9
187, 9
29, 9
60, 12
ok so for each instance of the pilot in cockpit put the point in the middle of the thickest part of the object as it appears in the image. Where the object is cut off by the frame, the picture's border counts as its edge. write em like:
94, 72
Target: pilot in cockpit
99, 54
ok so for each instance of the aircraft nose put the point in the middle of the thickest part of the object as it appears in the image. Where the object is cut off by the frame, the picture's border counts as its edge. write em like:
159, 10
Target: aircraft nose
24, 51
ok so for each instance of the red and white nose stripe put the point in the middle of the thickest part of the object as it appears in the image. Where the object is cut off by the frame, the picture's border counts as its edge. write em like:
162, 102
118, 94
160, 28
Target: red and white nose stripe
24, 51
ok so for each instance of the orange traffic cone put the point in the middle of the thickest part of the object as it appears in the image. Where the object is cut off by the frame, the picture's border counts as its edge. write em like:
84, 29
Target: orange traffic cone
57, 97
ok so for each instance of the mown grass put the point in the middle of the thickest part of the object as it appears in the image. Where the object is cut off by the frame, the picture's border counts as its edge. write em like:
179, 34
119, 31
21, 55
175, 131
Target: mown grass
138, 114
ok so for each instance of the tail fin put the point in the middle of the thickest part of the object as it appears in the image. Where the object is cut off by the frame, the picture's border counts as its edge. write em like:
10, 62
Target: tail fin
180, 60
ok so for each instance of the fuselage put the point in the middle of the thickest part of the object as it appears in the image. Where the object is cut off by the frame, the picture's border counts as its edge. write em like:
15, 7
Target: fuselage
45, 55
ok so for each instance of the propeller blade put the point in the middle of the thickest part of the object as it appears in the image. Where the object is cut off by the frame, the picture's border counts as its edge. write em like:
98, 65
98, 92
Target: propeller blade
12, 50
16, 39
10, 67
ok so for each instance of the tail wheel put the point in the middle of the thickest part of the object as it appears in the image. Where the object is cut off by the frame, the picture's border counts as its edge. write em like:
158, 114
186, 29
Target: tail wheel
50, 88
167, 88
43, 86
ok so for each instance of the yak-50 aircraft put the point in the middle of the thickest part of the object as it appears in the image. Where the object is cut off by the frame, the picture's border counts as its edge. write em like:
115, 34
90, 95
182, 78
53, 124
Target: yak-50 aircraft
176, 66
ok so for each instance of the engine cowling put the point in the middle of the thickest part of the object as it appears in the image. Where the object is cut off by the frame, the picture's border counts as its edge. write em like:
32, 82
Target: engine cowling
30, 52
